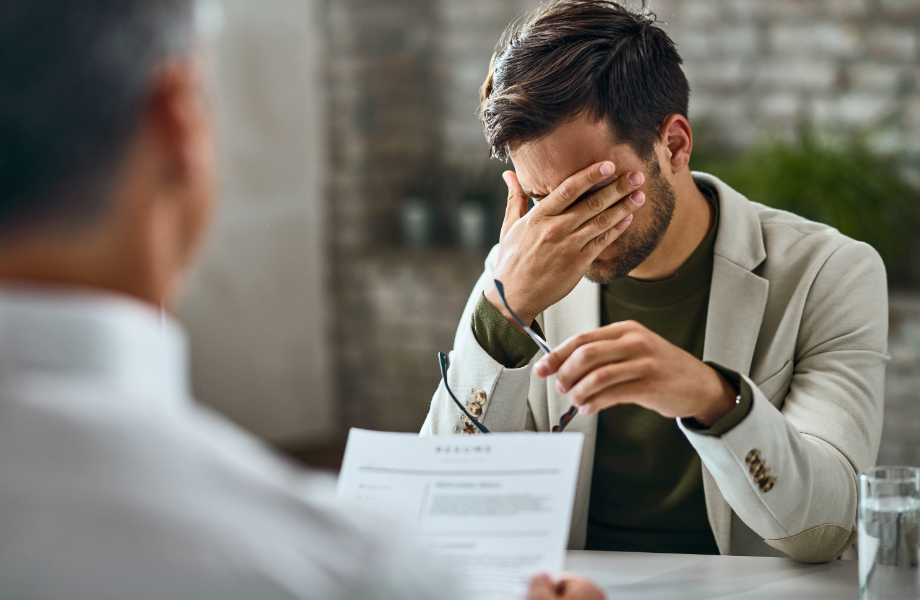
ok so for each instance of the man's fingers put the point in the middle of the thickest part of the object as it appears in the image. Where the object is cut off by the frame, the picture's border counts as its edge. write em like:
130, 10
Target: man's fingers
592, 356
630, 392
606, 227
551, 363
569, 587
541, 587
604, 377
573, 587
575, 187
603, 198
517, 200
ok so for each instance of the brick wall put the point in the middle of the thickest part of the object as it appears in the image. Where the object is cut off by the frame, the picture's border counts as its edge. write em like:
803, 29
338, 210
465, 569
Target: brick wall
756, 67
405, 76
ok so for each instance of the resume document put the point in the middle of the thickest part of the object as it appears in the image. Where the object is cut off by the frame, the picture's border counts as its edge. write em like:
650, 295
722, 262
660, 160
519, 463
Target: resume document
491, 509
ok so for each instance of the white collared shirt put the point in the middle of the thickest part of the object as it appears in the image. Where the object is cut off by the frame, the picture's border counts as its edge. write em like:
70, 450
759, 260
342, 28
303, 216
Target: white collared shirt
115, 484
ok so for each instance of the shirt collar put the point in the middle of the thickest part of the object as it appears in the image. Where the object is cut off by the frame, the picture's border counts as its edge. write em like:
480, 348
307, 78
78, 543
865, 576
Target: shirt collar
118, 341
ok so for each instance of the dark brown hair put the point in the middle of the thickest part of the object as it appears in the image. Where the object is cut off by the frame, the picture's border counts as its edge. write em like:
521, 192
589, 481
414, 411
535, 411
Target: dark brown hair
578, 56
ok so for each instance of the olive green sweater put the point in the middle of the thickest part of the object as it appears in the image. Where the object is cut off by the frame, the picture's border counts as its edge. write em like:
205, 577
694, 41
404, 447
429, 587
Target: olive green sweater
647, 487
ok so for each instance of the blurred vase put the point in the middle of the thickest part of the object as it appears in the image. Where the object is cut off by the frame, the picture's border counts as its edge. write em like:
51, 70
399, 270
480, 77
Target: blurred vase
416, 223
471, 226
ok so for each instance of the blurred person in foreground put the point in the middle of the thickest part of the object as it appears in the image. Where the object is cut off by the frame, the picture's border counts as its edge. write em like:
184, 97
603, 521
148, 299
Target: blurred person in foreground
727, 360
113, 483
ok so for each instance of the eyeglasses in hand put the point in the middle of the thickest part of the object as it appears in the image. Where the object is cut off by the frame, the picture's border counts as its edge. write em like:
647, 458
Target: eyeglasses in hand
569, 414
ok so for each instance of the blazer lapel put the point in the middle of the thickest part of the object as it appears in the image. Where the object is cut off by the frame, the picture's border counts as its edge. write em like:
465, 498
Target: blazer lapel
737, 301
738, 296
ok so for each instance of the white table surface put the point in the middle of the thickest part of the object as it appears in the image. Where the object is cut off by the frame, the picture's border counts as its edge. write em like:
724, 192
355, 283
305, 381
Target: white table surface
640, 576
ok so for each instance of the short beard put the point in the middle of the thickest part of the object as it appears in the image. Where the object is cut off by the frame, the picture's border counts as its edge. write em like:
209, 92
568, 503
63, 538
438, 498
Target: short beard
637, 245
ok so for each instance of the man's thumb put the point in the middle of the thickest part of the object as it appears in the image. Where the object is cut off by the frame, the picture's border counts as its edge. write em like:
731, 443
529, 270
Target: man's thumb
542, 587
517, 199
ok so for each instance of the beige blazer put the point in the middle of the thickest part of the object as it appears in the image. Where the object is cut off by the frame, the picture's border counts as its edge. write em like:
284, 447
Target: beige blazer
798, 309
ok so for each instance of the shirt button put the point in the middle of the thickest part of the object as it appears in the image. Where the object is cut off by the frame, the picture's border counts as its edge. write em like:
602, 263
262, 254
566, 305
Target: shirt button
480, 397
475, 409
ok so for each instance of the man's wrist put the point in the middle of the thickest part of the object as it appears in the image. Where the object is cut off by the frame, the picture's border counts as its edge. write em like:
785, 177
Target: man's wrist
504, 342
491, 294
722, 397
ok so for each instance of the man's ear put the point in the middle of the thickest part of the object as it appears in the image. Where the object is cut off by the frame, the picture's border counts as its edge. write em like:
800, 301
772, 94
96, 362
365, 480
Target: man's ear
181, 191
179, 116
677, 136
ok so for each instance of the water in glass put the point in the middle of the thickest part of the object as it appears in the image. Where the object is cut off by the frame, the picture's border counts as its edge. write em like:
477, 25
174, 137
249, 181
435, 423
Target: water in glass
889, 539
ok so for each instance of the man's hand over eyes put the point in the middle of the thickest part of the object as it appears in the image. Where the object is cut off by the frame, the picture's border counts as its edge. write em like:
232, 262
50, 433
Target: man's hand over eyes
543, 253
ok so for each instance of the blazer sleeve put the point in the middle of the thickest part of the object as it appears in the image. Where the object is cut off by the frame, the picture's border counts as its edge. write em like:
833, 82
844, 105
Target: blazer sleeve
474, 376
791, 474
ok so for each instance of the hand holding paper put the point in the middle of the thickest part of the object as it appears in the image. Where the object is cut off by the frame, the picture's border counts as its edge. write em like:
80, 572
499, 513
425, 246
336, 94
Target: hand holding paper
493, 509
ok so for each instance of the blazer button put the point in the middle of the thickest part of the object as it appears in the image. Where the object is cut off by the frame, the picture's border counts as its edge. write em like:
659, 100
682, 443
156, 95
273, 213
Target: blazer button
479, 397
766, 484
469, 425
475, 409
468, 432
752, 456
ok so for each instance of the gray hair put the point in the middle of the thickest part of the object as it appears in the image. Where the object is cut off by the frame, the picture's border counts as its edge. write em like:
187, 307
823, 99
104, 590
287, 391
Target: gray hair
74, 75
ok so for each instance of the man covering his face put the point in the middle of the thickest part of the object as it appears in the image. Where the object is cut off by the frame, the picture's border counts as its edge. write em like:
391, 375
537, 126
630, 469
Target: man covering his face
726, 359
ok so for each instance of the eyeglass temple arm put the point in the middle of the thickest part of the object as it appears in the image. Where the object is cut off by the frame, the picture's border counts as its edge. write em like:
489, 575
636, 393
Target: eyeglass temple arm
442, 359
533, 335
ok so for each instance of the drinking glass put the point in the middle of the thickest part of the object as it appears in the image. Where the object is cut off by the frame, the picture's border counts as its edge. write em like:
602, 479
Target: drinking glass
889, 533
